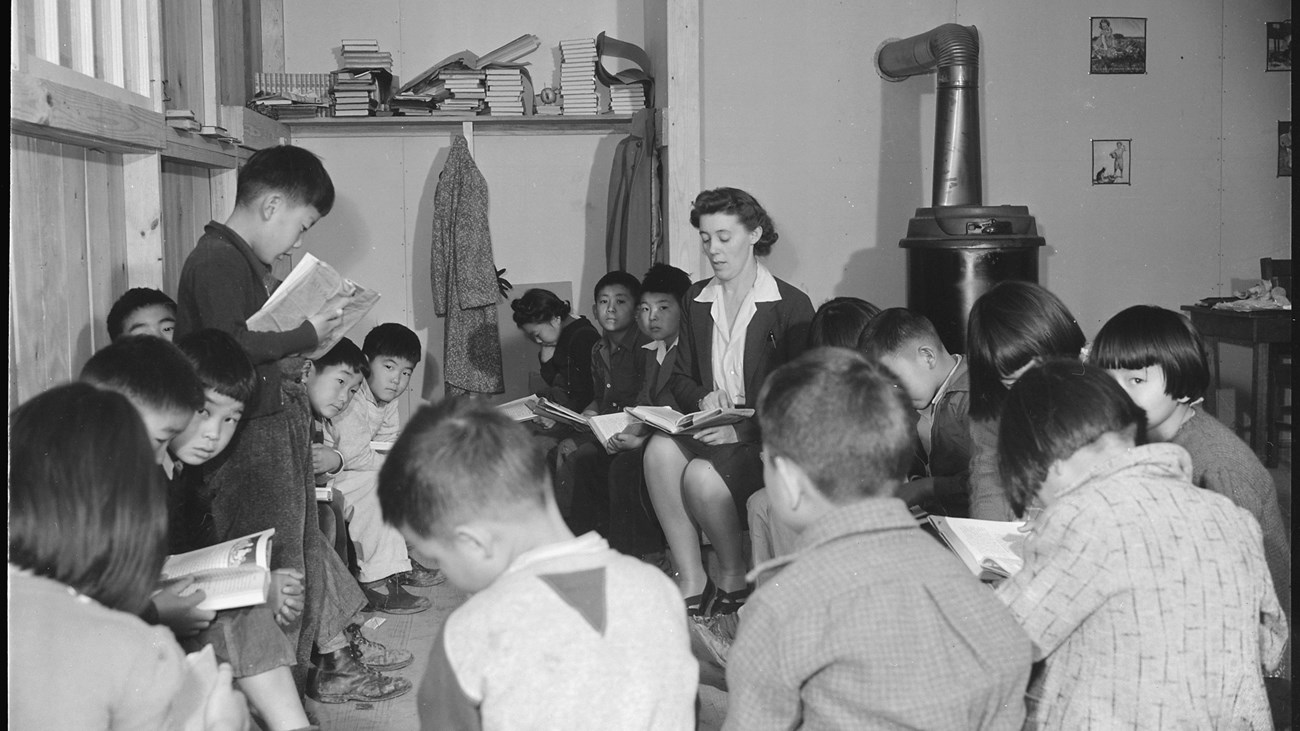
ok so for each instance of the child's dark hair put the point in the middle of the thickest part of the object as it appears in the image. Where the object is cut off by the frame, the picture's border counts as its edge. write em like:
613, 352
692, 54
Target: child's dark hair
293, 171
394, 340
837, 415
743, 206
666, 279
1146, 335
87, 504
458, 460
134, 299
1010, 325
893, 329
538, 305
151, 372
221, 363
344, 353
1050, 413
841, 322
618, 277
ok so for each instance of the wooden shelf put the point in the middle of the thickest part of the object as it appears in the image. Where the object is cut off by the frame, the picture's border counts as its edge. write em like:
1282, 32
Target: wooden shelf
481, 125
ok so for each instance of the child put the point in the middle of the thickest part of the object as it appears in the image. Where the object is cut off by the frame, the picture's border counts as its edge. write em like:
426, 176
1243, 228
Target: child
566, 344
1012, 326
391, 352
870, 623
839, 322
936, 383
142, 311
561, 632
87, 538
1158, 358
264, 480
332, 381
617, 368
1149, 601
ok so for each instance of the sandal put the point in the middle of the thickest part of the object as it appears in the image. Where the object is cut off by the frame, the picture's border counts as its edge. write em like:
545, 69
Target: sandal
698, 605
729, 602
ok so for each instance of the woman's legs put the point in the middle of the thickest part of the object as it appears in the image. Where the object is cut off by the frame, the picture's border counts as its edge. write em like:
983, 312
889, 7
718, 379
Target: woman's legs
665, 466
708, 501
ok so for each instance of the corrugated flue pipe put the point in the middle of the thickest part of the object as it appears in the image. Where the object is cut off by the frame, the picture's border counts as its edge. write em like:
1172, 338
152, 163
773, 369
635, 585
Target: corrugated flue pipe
953, 50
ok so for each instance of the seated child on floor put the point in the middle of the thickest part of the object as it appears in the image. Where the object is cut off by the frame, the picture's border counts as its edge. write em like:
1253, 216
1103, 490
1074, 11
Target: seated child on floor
936, 383
870, 622
87, 539
247, 637
332, 382
561, 632
142, 311
391, 352
1124, 560
1158, 358
839, 322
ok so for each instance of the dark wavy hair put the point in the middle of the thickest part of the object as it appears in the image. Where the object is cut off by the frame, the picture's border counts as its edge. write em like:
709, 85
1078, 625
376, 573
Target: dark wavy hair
295, 172
1146, 335
538, 305
87, 503
393, 340
1011, 325
743, 206
842, 322
133, 299
1050, 413
666, 279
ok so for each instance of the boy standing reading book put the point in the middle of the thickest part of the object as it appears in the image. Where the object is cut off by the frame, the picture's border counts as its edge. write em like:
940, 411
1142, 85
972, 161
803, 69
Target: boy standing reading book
561, 632
264, 480
870, 623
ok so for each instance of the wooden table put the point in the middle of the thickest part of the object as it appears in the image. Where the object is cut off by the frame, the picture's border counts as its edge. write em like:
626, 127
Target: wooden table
1257, 330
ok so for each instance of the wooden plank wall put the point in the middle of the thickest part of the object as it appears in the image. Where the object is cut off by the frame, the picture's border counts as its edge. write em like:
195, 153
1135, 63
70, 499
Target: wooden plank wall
187, 208
67, 259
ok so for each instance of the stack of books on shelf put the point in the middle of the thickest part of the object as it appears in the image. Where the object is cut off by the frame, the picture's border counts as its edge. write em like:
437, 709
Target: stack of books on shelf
455, 86
578, 77
363, 83
553, 109
626, 98
509, 91
467, 92
354, 93
290, 96
364, 53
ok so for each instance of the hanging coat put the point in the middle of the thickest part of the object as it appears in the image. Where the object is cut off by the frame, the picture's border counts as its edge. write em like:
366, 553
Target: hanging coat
464, 277
630, 236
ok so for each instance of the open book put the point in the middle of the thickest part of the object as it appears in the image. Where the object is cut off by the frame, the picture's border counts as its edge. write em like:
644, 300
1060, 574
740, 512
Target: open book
311, 288
521, 409
989, 548
502, 56
232, 574
674, 422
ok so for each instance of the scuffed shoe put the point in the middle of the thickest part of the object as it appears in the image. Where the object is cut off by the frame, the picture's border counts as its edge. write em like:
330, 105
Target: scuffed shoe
421, 576
339, 678
396, 601
374, 655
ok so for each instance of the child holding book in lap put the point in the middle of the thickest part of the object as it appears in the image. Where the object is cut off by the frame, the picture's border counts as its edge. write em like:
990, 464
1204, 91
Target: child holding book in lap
87, 539
561, 632
1158, 358
1149, 601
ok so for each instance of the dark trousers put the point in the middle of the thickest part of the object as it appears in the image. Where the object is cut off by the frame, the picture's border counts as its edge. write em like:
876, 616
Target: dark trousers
610, 496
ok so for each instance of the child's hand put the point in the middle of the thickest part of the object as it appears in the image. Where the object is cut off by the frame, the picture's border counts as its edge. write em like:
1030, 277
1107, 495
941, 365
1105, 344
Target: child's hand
913, 492
625, 442
324, 459
180, 611
325, 322
227, 708
286, 595
544, 422
718, 435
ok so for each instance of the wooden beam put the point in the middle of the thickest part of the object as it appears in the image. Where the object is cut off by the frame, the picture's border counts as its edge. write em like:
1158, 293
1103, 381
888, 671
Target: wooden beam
260, 131
231, 84
136, 33
107, 250
109, 50
141, 176
81, 36
206, 108
272, 36
46, 25
42, 108
195, 149
75, 240
223, 185
681, 130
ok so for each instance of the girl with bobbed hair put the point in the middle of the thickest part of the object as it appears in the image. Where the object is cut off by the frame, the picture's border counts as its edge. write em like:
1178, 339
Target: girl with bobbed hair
87, 540
566, 342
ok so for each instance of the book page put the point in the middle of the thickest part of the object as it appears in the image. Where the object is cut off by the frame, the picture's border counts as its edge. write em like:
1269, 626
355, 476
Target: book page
240, 586
559, 412
660, 417
311, 288
521, 409
604, 426
254, 549
992, 544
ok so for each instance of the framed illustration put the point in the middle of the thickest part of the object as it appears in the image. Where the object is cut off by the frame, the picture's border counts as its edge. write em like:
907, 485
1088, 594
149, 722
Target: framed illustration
1284, 149
1112, 162
1277, 56
1119, 46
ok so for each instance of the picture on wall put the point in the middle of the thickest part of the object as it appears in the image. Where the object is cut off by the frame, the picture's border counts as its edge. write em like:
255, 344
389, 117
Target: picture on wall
1110, 162
1284, 149
1119, 46
1278, 55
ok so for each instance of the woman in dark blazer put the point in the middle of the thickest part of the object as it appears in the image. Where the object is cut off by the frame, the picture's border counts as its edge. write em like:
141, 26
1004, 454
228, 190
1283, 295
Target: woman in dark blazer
739, 326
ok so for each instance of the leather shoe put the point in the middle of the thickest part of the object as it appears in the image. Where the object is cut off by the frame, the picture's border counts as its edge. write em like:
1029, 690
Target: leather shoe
421, 576
374, 655
339, 678
396, 601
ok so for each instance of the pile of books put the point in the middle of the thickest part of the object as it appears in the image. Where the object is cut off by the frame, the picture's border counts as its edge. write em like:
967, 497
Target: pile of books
290, 96
459, 85
364, 53
578, 77
362, 85
465, 88
626, 98
505, 91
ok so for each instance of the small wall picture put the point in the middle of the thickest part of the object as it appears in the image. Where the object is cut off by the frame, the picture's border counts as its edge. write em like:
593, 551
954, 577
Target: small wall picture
1110, 162
1119, 46
1279, 46
1284, 149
